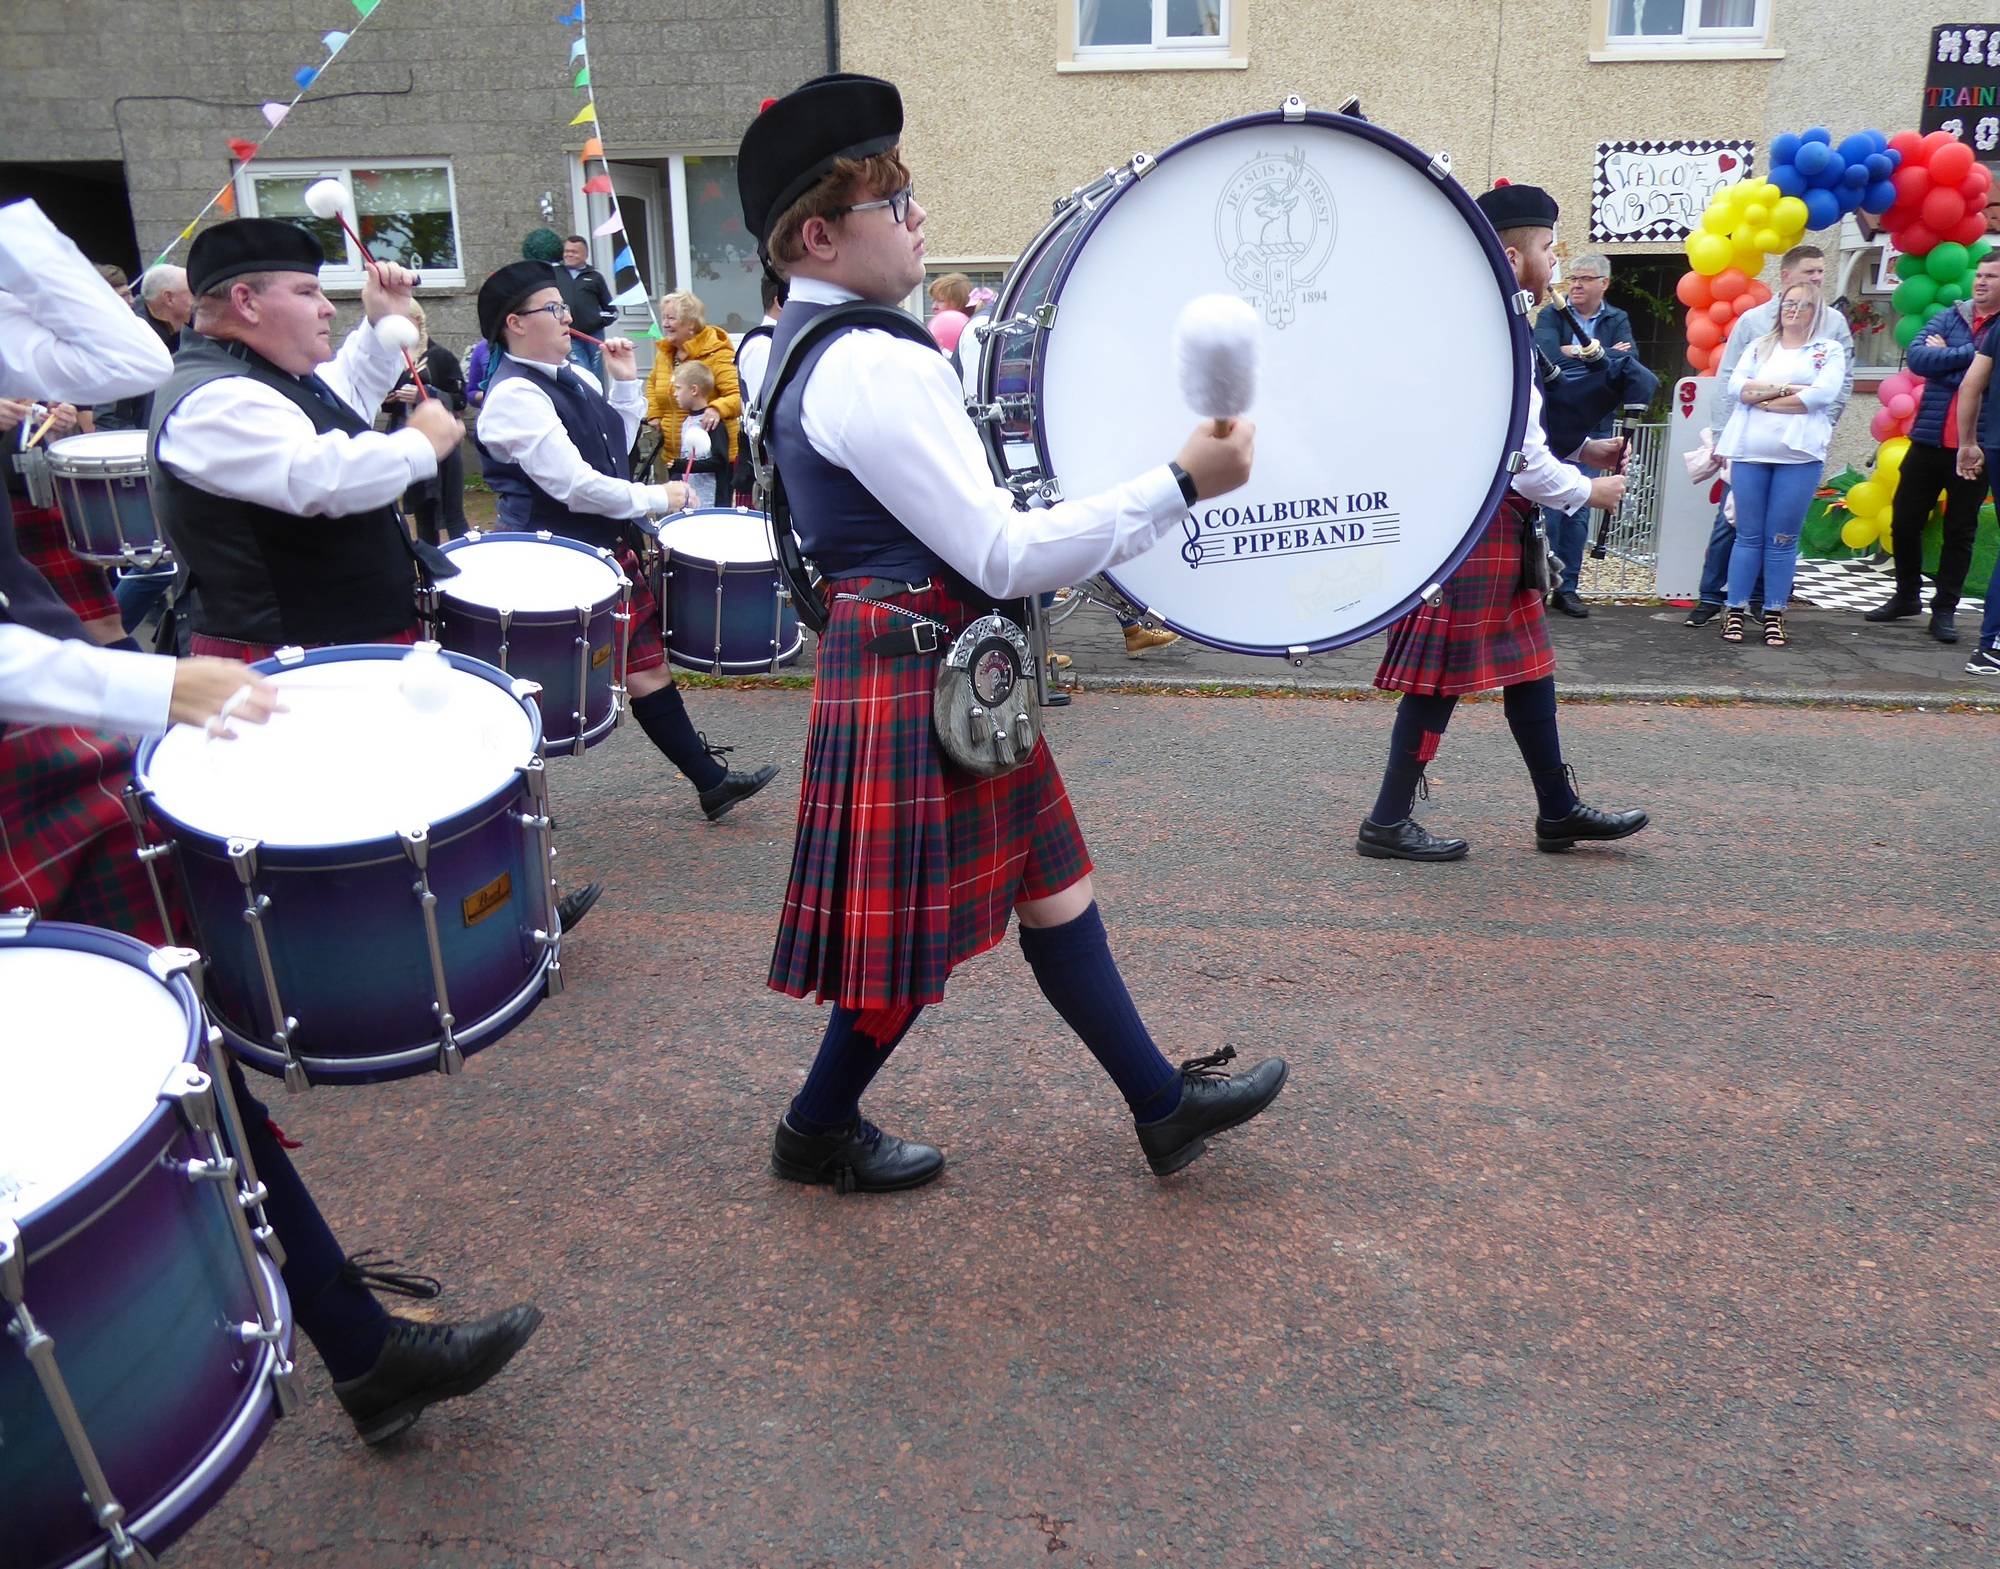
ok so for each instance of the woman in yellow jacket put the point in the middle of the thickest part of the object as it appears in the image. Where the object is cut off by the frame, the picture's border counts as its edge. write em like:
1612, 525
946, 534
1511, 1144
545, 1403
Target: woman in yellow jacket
686, 335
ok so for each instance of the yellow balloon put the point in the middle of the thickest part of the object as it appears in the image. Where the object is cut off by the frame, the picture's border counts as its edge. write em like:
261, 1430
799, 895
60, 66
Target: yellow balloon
1756, 215
1889, 460
1768, 193
1709, 253
1789, 214
1717, 220
1769, 240
1858, 533
1748, 260
1866, 498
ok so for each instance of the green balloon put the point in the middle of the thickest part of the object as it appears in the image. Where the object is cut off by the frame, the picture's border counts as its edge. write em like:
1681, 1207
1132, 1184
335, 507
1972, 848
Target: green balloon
1907, 330
1978, 252
1914, 296
1950, 293
1908, 266
1946, 262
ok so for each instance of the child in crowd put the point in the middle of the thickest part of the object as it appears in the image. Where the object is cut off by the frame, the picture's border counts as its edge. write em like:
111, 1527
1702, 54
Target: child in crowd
700, 462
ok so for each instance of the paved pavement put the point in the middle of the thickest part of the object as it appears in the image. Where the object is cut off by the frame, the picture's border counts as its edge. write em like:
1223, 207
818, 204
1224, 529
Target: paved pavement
1629, 1208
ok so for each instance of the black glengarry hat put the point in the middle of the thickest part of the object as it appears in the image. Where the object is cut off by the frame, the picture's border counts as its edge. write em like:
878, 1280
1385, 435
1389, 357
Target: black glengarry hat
246, 245
1510, 206
797, 139
508, 289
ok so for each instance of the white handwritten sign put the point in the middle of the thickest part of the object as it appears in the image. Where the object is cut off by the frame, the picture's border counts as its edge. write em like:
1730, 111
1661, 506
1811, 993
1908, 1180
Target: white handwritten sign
1657, 190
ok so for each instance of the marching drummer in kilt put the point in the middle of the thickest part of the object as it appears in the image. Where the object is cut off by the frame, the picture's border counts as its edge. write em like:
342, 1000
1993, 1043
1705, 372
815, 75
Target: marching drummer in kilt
1488, 628
906, 866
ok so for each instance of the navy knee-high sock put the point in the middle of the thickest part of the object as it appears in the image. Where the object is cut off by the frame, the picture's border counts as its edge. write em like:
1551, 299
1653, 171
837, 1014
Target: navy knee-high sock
1413, 742
664, 718
340, 1316
1074, 968
848, 1060
1531, 715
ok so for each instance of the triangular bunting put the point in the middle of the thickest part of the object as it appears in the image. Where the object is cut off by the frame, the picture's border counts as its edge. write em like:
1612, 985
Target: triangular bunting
305, 76
334, 42
241, 150
636, 295
651, 332
576, 48
597, 185
575, 17
366, 7
586, 115
189, 229
274, 112
226, 199
615, 224
593, 148
624, 259
582, 77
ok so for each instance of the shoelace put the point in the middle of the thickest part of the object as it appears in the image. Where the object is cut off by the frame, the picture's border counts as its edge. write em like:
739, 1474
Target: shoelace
373, 1269
716, 752
1209, 1067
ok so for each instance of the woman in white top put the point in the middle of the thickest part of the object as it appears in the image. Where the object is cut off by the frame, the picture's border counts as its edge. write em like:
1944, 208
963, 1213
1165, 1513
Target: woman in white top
1776, 440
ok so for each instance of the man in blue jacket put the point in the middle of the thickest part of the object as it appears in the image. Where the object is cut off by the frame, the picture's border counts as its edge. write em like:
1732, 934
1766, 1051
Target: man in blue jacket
1979, 453
1589, 278
1941, 355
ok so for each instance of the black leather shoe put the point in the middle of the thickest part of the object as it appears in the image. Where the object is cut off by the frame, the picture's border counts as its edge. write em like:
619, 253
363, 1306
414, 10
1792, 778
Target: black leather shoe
1895, 608
1944, 625
571, 908
1585, 822
1408, 840
1570, 603
1211, 1102
1702, 614
859, 1158
425, 1363
719, 798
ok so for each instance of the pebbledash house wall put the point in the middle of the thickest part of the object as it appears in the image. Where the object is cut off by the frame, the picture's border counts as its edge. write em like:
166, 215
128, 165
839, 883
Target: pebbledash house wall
1004, 117
162, 88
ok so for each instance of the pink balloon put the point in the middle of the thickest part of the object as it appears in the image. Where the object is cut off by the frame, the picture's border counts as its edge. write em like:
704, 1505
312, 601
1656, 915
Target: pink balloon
1882, 426
1902, 406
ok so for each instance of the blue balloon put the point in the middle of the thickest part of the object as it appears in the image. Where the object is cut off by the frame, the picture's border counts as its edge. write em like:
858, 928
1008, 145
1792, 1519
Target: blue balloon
1879, 167
1880, 140
1788, 180
1895, 157
1812, 157
1784, 149
1828, 176
1880, 196
1856, 177
1822, 209
1856, 147
1820, 134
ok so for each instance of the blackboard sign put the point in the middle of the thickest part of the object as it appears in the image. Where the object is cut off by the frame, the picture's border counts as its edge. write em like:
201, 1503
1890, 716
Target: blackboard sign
1962, 84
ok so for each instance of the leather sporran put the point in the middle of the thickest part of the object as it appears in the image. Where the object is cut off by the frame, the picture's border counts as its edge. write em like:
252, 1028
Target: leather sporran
1541, 567
984, 712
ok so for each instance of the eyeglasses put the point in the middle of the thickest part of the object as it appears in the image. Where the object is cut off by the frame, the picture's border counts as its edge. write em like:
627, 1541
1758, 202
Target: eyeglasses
898, 203
555, 308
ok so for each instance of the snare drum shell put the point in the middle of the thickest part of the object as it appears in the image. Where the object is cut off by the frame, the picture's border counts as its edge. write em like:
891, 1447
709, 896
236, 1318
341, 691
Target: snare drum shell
106, 501
135, 1275
725, 617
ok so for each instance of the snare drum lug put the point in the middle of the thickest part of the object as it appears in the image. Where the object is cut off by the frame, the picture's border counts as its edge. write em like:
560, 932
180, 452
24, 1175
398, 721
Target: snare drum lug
165, 963
1433, 595
1143, 164
1049, 491
291, 654
14, 924
296, 1082
1522, 302
1439, 168
1297, 654
1293, 109
1045, 316
1516, 461
416, 845
254, 1334
135, 809
285, 1388
506, 626
192, 1093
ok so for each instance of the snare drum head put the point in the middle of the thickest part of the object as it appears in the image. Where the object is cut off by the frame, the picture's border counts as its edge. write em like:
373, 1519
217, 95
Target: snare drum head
100, 449
1393, 384
524, 573
88, 1043
351, 760
727, 535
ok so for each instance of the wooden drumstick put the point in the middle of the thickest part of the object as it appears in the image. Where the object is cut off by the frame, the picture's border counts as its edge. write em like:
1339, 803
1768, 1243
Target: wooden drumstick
1216, 338
43, 429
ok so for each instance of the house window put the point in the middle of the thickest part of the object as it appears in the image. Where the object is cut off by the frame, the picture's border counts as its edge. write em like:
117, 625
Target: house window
406, 212
1128, 25
1641, 22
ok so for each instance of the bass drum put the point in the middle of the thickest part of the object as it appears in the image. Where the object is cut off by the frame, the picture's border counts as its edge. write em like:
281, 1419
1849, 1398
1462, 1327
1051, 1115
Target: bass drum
1391, 400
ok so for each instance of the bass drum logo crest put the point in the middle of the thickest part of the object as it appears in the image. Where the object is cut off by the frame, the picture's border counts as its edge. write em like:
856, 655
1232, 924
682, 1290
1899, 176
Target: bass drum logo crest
1274, 227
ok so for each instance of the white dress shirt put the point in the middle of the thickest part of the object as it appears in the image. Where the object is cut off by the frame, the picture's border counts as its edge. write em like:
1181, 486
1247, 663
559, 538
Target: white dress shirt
752, 361
64, 333
1544, 477
1759, 435
61, 681
519, 423
237, 437
892, 413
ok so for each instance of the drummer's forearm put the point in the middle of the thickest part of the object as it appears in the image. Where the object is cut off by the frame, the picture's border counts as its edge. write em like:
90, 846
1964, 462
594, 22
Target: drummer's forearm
46, 680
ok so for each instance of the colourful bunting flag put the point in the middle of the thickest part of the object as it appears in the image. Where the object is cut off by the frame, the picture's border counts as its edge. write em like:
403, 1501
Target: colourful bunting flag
577, 48
274, 112
594, 148
574, 18
587, 113
597, 185
615, 224
636, 295
189, 229
305, 75
241, 150
226, 199
624, 258
366, 6
334, 42
582, 77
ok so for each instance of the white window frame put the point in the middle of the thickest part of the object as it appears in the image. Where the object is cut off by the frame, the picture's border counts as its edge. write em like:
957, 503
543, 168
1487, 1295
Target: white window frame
1218, 44
348, 272
1697, 35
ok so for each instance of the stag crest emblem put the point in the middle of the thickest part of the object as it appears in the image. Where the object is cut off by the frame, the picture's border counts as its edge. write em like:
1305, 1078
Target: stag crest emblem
1275, 225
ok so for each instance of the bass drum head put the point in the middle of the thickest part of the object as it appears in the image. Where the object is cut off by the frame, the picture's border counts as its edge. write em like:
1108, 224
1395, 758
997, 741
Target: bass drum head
1392, 391
726, 536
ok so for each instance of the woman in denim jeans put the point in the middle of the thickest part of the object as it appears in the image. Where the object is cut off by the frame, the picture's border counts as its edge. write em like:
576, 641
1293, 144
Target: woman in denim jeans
1776, 440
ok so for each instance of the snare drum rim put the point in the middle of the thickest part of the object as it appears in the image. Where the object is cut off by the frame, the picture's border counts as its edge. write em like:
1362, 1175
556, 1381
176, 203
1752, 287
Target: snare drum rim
334, 854
53, 1222
561, 615
79, 466
1517, 335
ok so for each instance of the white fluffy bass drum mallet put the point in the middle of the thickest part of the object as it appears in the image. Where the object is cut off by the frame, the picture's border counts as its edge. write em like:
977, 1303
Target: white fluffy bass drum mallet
399, 332
1216, 347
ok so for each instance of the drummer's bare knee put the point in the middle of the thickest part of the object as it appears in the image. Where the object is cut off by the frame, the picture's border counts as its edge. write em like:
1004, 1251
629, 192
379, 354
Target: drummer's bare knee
644, 683
1058, 909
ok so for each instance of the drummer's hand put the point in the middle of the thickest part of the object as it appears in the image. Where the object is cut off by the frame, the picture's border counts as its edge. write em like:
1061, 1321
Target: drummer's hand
63, 419
386, 290
621, 361
1607, 491
211, 692
12, 412
439, 424
679, 496
405, 395
1219, 463
1609, 453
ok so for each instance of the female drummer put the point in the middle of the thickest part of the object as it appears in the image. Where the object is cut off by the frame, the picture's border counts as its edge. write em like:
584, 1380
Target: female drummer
553, 448
1488, 630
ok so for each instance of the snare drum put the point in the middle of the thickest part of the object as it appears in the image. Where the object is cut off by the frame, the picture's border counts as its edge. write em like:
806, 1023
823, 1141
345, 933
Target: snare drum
1385, 438
723, 607
370, 874
151, 1335
550, 610
106, 498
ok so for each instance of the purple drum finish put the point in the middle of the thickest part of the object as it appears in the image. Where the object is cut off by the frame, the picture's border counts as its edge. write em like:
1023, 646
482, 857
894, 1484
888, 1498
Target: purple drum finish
108, 518
726, 617
136, 1276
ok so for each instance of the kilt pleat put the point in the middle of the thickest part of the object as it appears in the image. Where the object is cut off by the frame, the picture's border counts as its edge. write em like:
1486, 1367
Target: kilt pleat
904, 867
1485, 632
82, 585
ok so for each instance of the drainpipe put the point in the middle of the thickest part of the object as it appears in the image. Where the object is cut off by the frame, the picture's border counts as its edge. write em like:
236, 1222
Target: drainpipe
832, 35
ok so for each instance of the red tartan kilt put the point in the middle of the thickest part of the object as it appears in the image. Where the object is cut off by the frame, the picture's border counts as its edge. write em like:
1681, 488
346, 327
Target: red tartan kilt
1485, 632
644, 649
250, 653
904, 867
85, 588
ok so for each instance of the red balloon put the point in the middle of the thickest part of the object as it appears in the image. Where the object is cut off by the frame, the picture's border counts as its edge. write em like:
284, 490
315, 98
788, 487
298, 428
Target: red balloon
1936, 143
1698, 361
1944, 210
1693, 290
1951, 163
1728, 283
1906, 143
1916, 240
1912, 182
1759, 292
1703, 333
1975, 185
1972, 228
1722, 313
1743, 304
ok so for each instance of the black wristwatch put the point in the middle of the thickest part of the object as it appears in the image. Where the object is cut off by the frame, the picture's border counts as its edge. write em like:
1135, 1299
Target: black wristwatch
1186, 481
